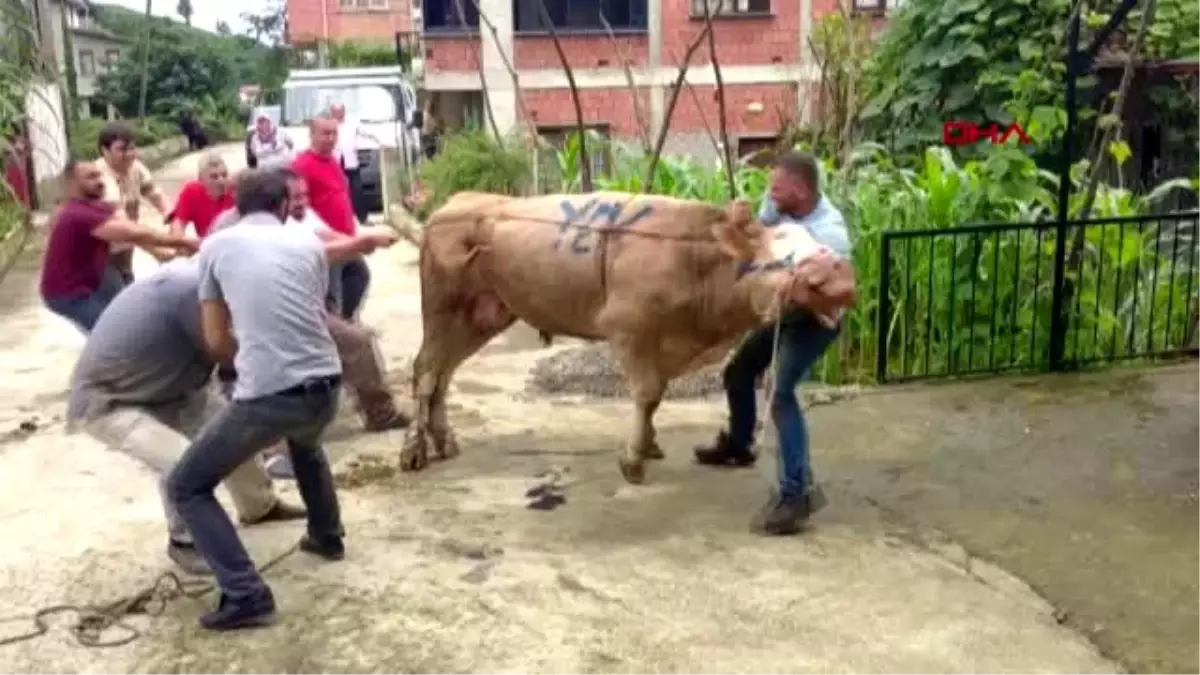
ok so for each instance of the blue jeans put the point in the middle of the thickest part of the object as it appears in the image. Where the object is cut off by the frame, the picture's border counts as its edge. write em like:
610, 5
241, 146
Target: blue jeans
802, 341
356, 277
85, 310
243, 428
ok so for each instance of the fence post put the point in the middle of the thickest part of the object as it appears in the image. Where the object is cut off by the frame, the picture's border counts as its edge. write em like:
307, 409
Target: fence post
883, 319
1058, 308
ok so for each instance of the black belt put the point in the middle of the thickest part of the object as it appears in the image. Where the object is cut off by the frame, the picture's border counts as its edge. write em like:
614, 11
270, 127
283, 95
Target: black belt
315, 385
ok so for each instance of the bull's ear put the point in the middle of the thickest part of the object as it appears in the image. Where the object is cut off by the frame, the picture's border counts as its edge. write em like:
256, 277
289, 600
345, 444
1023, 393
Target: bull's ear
733, 239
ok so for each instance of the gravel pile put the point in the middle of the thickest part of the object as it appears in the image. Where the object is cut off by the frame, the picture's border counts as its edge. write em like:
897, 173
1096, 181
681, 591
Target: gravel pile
590, 370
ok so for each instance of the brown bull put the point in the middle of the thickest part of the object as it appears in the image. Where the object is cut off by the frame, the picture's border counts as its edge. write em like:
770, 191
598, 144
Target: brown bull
666, 282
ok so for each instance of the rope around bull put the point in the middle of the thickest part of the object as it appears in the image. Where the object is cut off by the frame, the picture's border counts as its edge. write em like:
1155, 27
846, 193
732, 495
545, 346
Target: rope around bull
93, 621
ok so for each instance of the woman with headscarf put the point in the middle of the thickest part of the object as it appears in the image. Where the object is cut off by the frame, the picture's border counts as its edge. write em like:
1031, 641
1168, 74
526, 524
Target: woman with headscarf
269, 145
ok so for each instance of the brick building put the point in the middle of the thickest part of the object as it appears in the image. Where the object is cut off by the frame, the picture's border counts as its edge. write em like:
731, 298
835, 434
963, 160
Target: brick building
311, 21
768, 72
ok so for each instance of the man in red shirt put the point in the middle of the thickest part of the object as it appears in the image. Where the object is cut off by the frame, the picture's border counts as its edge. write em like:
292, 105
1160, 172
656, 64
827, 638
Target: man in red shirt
77, 283
329, 195
200, 201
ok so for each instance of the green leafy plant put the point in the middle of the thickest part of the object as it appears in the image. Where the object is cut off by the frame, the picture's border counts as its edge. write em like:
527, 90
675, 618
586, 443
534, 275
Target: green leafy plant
474, 160
992, 288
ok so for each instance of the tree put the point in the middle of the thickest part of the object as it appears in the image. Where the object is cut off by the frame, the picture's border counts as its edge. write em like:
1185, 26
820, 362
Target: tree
184, 9
223, 28
267, 27
71, 95
940, 61
180, 75
149, 30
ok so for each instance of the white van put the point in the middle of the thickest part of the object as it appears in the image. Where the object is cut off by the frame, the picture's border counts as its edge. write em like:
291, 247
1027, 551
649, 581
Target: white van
381, 99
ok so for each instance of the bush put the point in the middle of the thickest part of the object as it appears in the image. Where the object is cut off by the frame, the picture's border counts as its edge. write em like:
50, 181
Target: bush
474, 161
85, 134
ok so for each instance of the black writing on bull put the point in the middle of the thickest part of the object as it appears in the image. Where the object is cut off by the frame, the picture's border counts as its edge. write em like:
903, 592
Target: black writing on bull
580, 226
752, 266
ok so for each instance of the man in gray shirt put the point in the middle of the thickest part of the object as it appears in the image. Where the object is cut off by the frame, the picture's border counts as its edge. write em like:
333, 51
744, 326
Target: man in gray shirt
141, 386
262, 292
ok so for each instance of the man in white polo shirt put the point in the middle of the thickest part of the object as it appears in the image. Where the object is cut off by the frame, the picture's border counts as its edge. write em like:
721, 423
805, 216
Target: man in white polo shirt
803, 222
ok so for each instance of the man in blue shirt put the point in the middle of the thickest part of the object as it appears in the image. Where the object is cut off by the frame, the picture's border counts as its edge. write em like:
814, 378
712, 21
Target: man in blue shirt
795, 208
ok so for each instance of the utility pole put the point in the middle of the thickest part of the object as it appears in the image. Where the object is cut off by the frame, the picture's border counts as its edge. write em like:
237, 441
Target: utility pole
145, 61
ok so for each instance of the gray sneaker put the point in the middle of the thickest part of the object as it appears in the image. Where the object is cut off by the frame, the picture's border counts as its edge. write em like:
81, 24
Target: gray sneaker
188, 558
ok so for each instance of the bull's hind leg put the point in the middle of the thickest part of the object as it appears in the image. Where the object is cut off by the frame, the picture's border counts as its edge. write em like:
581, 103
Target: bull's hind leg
448, 341
647, 386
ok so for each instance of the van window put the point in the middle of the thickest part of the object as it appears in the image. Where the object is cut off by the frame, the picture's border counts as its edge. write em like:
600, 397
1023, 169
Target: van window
366, 103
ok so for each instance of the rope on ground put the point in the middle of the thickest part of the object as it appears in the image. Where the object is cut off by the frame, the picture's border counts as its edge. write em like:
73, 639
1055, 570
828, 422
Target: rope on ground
93, 622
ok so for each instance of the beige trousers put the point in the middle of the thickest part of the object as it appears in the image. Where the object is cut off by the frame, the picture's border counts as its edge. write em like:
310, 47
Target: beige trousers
157, 436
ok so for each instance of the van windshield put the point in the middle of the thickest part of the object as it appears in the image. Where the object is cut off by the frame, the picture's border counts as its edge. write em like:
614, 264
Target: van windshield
366, 103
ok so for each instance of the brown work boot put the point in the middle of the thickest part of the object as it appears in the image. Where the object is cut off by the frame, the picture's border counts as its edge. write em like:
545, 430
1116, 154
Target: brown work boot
394, 420
185, 555
723, 453
282, 511
379, 412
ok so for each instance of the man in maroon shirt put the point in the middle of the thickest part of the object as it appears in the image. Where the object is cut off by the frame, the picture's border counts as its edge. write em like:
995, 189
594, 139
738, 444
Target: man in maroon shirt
77, 282
329, 196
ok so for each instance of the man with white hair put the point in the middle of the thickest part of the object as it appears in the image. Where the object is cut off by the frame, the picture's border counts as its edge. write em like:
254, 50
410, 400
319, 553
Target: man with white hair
349, 131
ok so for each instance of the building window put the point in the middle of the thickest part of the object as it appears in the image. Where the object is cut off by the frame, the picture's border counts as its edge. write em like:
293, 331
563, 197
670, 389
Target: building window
87, 62
580, 15
550, 173
112, 56
732, 7
873, 6
442, 16
757, 150
362, 5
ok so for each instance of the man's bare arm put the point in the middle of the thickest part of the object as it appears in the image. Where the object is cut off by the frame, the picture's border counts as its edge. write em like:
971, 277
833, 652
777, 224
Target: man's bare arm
120, 229
158, 200
345, 248
217, 327
149, 190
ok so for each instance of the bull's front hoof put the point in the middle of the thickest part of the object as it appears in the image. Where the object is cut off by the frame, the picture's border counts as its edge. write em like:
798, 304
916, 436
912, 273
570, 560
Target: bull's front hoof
447, 448
652, 451
634, 470
415, 455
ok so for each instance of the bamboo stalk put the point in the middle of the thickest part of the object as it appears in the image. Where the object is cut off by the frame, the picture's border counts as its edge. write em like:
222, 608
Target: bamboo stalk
666, 123
585, 161
723, 122
638, 116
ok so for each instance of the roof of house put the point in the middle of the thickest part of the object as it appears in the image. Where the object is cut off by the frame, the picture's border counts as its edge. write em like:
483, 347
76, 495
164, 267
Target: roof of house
97, 33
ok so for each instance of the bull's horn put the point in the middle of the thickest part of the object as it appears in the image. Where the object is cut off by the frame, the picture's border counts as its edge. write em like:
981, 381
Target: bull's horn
405, 225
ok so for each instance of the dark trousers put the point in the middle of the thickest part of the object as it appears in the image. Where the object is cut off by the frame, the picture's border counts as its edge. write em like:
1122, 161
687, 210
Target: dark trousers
85, 310
298, 416
802, 341
356, 278
354, 177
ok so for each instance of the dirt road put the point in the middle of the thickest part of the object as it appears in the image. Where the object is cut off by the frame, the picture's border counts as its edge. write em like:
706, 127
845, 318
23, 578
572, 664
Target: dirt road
449, 571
